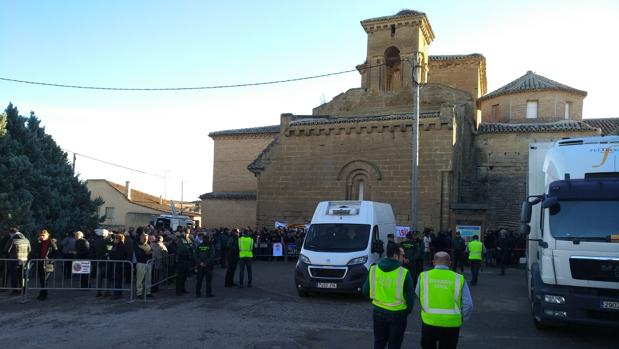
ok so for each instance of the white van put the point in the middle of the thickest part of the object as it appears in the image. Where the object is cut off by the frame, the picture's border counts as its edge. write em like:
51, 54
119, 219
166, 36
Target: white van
343, 240
172, 222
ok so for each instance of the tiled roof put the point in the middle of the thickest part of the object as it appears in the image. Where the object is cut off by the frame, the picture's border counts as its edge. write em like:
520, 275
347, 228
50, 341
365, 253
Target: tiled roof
320, 120
561, 126
402, 13
455, 57
531, 82
231, 195
246, 131
607, 125
146, 200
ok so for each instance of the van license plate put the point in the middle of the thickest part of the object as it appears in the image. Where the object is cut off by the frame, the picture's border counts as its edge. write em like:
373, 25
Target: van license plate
610, 305
326, 285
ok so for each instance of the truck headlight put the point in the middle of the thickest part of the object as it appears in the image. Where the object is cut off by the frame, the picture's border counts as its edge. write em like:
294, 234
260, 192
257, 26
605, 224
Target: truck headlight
552, 299
358, 260
304, 259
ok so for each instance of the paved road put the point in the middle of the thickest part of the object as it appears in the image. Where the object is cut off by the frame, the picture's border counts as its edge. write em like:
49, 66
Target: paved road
269, 315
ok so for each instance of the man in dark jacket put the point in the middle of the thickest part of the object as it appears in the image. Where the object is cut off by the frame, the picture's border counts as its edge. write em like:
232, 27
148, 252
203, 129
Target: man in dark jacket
503, 248
19, 249
82, 252
204, 256
103, 246
459, 246
233, 257
184, 259
119, 254
391, 305
5, 240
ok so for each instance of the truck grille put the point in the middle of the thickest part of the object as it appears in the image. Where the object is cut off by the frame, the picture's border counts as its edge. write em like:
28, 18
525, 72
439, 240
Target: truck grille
595, 269
330, 273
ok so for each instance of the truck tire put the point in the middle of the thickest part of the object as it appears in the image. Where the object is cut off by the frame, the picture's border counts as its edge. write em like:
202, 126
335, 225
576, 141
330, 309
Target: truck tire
302, 293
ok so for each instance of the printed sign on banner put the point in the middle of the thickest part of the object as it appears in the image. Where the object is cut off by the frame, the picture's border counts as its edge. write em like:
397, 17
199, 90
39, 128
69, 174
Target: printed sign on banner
467, 231
80, 267
281, 225
278, 251
401, 232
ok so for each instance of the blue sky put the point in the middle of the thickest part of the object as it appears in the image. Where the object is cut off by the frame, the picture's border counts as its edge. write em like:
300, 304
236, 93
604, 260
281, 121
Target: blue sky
189, 43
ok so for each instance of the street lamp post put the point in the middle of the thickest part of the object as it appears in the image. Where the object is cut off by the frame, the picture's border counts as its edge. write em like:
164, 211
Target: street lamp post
415, 64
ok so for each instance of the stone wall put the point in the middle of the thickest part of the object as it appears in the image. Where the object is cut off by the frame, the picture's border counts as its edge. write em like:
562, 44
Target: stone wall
467, 74
229, 213
551, 107
316, 163
232, 155
503, 172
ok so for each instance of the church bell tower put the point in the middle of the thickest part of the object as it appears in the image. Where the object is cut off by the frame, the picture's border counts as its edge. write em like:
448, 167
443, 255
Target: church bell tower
393, 42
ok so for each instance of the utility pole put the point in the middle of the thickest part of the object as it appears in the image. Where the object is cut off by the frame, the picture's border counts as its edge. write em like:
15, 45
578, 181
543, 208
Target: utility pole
73, 166
182, 191
415, 64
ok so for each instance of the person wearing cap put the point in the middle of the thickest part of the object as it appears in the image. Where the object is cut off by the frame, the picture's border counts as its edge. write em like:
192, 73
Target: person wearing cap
475, 250
445, 302
204, 255
390, 287
143, 252
408, 245
246, 253
184, 259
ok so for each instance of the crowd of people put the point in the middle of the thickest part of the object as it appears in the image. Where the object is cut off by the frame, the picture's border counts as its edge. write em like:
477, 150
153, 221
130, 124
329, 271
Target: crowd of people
181, 252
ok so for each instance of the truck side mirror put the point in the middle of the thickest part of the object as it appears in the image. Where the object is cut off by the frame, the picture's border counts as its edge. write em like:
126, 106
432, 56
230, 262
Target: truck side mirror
550, 202
525, 229
525, 213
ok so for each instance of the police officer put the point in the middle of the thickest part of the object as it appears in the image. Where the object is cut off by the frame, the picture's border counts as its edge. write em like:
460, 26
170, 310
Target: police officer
204, 255
390, 287
184, 258
475, 250
408, 246
445, 301
246, 253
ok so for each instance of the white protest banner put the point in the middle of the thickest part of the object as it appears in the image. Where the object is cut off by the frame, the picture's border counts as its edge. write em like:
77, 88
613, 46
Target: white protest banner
467, 231
80, 267
281, 225
401, 232
278, 250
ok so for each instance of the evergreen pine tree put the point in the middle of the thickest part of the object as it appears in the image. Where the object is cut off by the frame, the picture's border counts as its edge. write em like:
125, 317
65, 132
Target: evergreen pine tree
37, 186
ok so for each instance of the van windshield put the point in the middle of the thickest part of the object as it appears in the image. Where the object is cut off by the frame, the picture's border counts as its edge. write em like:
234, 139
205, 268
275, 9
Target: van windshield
337, 237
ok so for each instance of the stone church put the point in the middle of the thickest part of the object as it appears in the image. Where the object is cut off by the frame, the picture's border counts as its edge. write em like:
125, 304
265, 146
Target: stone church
473, 144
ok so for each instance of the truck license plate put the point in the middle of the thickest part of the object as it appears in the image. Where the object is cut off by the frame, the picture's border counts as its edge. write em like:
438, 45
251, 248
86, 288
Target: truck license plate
610, 305
326, 285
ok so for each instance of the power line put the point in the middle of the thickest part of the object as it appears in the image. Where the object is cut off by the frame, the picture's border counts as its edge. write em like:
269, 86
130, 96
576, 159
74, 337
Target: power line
212, 87
175, 88
116, 165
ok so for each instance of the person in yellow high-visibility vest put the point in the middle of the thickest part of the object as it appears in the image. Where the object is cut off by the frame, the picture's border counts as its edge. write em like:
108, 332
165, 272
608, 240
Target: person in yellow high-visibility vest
475, 250
246, 253
390, 286
445, 301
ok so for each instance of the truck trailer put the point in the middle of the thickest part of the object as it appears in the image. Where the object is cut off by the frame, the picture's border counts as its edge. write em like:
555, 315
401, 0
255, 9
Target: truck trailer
571, 217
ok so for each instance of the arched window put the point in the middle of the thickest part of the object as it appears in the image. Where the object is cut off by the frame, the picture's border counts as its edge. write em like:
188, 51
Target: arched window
393, 69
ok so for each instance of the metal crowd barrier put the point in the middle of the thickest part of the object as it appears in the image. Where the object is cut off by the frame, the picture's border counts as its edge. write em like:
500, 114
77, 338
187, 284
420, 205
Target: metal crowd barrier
12, 274
264, 250
163, 270
75, 274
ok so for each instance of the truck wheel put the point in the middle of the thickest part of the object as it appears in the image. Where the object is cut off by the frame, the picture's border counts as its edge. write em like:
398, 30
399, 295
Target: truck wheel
302, 293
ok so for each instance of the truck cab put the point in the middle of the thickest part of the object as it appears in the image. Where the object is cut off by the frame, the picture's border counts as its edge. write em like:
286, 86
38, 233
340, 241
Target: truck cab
343, 240
571, 216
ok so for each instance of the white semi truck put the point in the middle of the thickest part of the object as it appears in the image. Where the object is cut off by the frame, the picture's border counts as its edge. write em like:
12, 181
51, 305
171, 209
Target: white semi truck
571, 216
